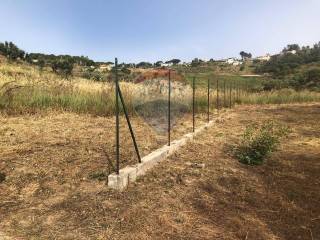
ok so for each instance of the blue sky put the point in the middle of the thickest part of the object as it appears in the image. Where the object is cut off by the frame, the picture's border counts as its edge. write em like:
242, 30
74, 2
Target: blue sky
151, 30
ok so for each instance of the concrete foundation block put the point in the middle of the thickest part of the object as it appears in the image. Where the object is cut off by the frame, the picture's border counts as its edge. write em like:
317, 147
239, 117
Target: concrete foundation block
151, 160
121, 181
129, 174
175, 145
117, 182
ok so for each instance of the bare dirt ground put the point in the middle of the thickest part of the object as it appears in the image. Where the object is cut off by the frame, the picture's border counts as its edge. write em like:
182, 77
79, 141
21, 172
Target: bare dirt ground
48, 192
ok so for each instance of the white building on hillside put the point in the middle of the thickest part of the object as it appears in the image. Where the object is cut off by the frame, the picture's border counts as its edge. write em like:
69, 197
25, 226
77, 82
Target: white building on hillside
294, 52
264, 58
106, 67
166, 64
233, 61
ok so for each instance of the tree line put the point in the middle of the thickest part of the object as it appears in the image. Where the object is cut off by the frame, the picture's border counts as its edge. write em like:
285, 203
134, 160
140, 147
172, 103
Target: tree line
11, 51
62, 64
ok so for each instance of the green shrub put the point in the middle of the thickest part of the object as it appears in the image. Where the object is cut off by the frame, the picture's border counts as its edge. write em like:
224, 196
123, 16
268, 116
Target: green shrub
259, 141
309, 79
63, 67
94, 75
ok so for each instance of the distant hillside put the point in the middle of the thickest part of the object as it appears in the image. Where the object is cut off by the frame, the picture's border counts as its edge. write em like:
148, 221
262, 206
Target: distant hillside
13, 53
295, 66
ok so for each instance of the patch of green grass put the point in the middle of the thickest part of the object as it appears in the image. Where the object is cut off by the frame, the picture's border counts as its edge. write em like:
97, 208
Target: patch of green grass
201, 81
283, 96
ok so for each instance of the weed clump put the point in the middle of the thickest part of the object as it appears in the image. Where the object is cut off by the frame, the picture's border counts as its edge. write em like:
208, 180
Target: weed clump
259, 141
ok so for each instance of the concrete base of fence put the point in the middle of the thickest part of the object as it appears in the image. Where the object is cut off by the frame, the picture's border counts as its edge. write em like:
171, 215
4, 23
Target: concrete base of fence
129, 174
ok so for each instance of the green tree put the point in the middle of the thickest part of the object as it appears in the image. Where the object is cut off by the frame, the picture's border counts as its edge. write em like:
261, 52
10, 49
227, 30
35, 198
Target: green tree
244, 55
41, 64
291, 47
174, 61
158, 64
63, 67
144, 65
11, 51
196, 62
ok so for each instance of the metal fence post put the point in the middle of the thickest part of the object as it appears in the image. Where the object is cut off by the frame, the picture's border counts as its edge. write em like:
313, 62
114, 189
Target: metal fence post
236, 91
239, 90
129, 124
233, 93
247, 87
224, 93
193, 103
169, 109
218, 103
230, 94
208, 110
117, 117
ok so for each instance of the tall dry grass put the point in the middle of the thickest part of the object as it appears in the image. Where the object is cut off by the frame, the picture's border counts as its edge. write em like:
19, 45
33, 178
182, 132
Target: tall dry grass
24, 89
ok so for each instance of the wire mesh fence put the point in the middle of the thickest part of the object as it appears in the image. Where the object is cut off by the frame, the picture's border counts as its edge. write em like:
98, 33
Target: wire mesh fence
167, 104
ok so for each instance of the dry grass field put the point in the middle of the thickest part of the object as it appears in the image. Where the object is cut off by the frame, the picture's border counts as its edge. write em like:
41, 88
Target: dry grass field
54, 188
26, 90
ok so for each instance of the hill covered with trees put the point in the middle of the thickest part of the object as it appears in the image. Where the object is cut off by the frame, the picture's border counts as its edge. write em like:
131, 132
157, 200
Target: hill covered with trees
13, 52
62, 64
295, 66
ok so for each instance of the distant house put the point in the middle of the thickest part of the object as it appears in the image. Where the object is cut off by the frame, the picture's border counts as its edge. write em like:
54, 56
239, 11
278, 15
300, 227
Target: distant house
166, 64
233, 61
264, 58
294, 52
106, 67
35, 60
